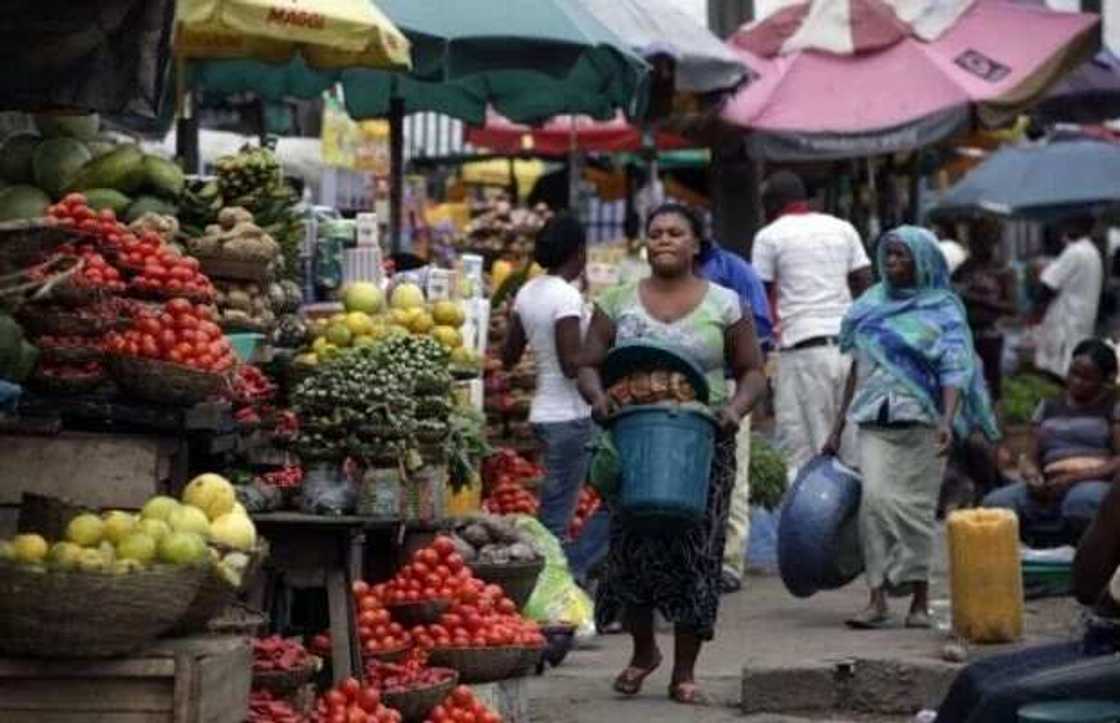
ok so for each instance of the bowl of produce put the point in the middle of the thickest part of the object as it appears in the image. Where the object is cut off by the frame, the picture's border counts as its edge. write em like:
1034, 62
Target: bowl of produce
500, 553
412, 689
64, 378
281, 665
654, 372
92, 610
481, 665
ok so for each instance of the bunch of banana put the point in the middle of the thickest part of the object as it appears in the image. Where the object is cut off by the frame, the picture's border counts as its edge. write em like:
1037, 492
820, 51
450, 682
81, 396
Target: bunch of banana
199, 206
248, 172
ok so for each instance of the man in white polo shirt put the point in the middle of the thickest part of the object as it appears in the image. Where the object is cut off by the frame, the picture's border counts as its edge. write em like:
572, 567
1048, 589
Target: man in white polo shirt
813, 264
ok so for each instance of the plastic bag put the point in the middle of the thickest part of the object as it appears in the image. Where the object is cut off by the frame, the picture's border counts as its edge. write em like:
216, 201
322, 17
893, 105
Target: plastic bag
326, 491
605, 473
557, 598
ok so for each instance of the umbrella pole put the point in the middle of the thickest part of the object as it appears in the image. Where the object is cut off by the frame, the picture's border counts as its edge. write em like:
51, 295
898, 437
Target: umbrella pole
396, 171
186, 127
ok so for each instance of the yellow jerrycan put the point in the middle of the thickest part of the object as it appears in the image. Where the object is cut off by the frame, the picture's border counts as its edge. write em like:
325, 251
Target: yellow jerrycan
985, 576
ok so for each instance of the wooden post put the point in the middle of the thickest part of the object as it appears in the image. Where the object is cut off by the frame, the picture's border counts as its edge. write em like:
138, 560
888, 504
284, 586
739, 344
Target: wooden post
396, 171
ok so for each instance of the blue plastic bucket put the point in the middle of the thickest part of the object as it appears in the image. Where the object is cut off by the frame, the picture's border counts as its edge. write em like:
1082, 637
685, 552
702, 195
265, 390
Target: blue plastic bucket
665, 454
1071, 711
245, 344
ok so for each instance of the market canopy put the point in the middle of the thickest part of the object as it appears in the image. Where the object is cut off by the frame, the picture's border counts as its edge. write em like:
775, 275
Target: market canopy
530, 60
847, 78
562, 134
1043, 180
704, 64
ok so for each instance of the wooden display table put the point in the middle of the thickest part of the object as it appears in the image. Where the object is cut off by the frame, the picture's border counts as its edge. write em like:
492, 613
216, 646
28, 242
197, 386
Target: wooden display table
186, 680
324, 552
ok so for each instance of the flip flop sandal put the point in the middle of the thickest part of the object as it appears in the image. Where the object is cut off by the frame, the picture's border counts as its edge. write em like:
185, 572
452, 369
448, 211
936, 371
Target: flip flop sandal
869, 621
688, 694
629, 682
918, 621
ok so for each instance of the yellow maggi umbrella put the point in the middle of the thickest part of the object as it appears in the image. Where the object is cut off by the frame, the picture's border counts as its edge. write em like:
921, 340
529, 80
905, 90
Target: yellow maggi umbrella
326, 33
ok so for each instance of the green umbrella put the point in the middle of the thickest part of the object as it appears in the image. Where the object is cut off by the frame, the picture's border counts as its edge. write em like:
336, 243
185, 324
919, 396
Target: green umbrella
530, 59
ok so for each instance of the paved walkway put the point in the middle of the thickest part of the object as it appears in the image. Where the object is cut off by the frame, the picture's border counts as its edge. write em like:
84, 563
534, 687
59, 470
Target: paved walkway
765, 629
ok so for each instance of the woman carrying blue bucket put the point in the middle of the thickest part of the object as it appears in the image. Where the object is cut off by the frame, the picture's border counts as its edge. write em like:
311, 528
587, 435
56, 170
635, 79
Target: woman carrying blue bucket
673, 568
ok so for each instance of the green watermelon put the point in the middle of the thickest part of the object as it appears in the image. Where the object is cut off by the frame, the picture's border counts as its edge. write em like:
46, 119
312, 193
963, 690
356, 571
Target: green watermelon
121, 169
56, 162
20, 202
99, 198
163, 177
15, 157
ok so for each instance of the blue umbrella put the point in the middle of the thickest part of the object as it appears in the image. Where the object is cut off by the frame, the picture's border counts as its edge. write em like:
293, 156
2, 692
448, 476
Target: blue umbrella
1041, 181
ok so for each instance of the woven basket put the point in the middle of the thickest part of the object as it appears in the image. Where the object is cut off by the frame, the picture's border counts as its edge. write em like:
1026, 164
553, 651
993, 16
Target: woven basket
215, 595
165, 382
480, 665
284, 681
22, 243
419, 613
518, 579
70, 354
164, 295
52, 321
415, 705
90, 615
81, 384
531, 659
46, 515
77, 295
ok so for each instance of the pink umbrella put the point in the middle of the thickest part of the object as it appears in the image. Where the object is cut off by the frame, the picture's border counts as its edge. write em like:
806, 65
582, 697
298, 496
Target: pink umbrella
844, 78
562, 134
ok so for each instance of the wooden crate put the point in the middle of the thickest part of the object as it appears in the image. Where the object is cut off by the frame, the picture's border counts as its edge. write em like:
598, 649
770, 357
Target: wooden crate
187, 680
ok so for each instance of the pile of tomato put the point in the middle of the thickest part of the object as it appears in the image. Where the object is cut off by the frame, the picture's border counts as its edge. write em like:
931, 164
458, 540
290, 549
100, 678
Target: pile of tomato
437, 572
352, 702
166, 274
100, 226
589, 503
482, 617
94, 273
510, 497
180, 332
462, 707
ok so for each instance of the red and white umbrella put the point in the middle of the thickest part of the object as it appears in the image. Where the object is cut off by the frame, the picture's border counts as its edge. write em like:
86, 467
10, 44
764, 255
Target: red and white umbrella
845, 78
562, 134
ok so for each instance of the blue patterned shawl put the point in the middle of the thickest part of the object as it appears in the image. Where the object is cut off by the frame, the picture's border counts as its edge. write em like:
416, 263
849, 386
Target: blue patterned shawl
921, 334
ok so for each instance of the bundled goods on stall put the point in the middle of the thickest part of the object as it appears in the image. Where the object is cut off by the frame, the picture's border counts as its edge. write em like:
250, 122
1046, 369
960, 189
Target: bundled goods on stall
353, 702
588, 504
70, 153
508, 398
249, 190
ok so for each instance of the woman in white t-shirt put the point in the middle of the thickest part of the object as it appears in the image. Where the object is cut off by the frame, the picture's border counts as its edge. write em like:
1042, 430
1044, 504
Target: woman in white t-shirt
548, 315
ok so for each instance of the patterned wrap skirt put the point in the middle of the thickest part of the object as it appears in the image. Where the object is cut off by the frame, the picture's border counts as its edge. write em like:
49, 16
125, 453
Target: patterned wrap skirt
675, 570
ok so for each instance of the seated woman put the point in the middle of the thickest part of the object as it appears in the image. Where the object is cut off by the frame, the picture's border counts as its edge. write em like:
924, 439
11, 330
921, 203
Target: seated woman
1074, 453
993, 689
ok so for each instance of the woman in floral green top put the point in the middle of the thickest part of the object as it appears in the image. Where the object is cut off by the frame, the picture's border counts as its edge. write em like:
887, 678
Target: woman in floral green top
674, 571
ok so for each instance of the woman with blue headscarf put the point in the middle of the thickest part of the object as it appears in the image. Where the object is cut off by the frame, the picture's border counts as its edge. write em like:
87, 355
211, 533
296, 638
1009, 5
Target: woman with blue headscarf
915, 380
